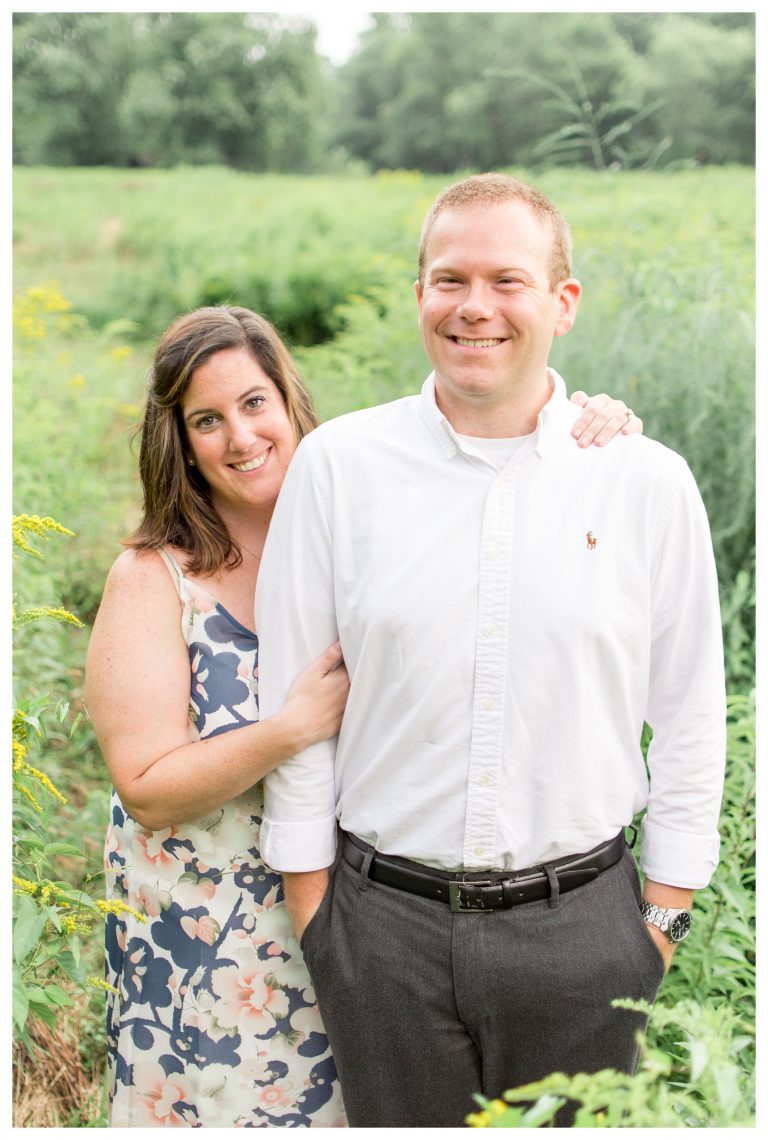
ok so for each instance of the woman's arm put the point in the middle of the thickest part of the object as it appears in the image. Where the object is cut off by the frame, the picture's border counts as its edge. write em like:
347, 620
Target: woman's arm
137, 692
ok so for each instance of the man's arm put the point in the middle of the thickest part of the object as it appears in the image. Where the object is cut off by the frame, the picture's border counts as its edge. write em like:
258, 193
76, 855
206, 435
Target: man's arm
686, 709
303, 894
295, 619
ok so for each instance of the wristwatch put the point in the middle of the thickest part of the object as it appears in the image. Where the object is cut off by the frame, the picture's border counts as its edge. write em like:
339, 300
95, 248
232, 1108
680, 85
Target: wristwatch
674, 922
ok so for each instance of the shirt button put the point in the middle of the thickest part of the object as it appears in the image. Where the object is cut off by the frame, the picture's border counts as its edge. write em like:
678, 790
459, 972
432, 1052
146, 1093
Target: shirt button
493, 551
489, 629
488, 703
485, 779
479, 851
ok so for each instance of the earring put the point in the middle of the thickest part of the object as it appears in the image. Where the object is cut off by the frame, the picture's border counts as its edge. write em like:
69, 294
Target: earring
190, 461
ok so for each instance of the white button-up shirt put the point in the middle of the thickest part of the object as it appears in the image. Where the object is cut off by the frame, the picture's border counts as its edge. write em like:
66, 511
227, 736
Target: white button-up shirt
507, 632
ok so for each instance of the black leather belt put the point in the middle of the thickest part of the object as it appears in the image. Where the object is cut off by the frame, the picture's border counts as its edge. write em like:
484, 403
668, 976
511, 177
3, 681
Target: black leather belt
495, 889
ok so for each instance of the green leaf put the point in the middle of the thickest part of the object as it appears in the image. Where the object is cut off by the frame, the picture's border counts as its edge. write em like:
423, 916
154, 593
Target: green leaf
62, 849
46, 1013
71, 966
57, 995
27, 928
36, 995
20, 1002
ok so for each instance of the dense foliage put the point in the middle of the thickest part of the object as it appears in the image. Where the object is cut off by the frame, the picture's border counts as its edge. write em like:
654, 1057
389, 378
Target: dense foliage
104, 259
433, 91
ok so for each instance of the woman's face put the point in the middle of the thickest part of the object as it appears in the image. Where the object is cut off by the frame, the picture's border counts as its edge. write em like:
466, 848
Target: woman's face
238, 431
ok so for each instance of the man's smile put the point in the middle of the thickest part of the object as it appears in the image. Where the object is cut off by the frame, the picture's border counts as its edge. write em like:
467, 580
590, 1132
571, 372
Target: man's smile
485, 342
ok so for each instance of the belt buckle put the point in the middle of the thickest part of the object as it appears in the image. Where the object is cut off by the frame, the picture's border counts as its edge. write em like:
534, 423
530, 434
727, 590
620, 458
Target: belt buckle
454, 897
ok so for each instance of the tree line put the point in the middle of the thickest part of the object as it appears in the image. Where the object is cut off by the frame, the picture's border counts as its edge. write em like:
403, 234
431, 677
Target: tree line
431, 91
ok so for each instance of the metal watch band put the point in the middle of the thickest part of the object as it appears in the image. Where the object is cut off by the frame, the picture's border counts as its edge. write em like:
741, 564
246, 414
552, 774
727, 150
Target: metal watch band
675, 922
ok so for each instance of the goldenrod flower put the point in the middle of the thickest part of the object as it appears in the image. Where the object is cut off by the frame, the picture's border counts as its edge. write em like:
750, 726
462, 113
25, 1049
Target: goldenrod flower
100, 984
121, 352
47, 783
23, 525
47, 297
19, 752
31, 308
77, 924
26, 792
26, 886
38, 613
479, 1119
114, 906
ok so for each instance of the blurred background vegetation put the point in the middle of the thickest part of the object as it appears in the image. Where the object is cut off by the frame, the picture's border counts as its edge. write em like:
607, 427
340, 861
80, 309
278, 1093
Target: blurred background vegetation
433, 91
163, 162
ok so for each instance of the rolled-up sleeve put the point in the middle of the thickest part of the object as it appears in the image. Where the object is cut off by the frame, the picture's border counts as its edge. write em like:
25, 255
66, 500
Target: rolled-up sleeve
296, 621
686, 704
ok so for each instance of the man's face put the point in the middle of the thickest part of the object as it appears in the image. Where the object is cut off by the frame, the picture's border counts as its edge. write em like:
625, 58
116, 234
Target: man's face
487, 314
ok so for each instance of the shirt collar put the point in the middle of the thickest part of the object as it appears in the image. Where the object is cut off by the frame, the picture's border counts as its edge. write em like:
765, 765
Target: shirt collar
550, 421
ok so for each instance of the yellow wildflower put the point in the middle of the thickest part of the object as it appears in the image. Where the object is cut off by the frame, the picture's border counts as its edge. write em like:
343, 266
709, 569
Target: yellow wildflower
47, 783
479, 1119
26, 886
121, 352
26, 792
77, 924
37, 613
77, 382
19, 752
100, 984
48, 297
24, 525
30, 309
114, 906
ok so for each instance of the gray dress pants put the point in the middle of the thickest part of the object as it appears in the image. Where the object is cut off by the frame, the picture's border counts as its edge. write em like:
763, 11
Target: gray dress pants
424, 1007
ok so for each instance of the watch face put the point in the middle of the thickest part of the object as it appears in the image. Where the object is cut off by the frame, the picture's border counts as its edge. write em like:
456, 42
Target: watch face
679, 927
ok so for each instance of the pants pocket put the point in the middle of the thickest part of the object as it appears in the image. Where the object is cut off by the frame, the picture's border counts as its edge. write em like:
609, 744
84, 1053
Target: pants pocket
656, 961
314, 921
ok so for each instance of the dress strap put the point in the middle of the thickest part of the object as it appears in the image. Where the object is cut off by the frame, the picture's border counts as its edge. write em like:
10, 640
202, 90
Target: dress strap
174, 570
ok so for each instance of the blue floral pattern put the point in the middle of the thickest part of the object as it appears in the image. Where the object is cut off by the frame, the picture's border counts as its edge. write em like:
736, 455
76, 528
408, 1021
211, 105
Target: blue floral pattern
214, 1021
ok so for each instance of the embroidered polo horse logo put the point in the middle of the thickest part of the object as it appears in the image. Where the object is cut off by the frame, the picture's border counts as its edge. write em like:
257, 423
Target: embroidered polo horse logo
591, 540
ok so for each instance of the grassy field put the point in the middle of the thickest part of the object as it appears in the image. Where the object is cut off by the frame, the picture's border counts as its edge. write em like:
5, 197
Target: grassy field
104, 259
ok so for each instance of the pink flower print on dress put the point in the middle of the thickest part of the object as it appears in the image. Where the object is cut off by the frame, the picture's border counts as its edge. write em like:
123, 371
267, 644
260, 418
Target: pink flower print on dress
151, 901
249, 1000
275, 1095
206, 928
270, 900
194, 890
112, 846
151, 846
198, 677
157, 1094
201, 601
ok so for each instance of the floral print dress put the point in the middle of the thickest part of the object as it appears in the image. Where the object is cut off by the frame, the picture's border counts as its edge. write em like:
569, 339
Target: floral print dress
214, 1021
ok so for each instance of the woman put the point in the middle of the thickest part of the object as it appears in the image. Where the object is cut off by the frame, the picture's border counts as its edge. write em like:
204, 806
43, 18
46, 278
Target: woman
212, 1018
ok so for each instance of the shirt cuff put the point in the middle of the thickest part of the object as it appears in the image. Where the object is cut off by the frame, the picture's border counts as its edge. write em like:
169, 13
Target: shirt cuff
678, 859
306, 845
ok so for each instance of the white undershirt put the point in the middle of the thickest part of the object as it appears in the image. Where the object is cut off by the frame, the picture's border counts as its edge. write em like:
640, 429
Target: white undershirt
496, 451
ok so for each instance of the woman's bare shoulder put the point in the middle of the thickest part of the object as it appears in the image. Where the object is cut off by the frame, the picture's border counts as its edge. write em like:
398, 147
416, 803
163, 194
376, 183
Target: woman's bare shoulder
141, 572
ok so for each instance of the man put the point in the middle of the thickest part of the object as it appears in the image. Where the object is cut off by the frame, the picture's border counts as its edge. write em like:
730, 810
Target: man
511, 609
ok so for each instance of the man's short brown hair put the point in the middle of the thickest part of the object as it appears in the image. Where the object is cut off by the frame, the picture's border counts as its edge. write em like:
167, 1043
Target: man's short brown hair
492, 188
